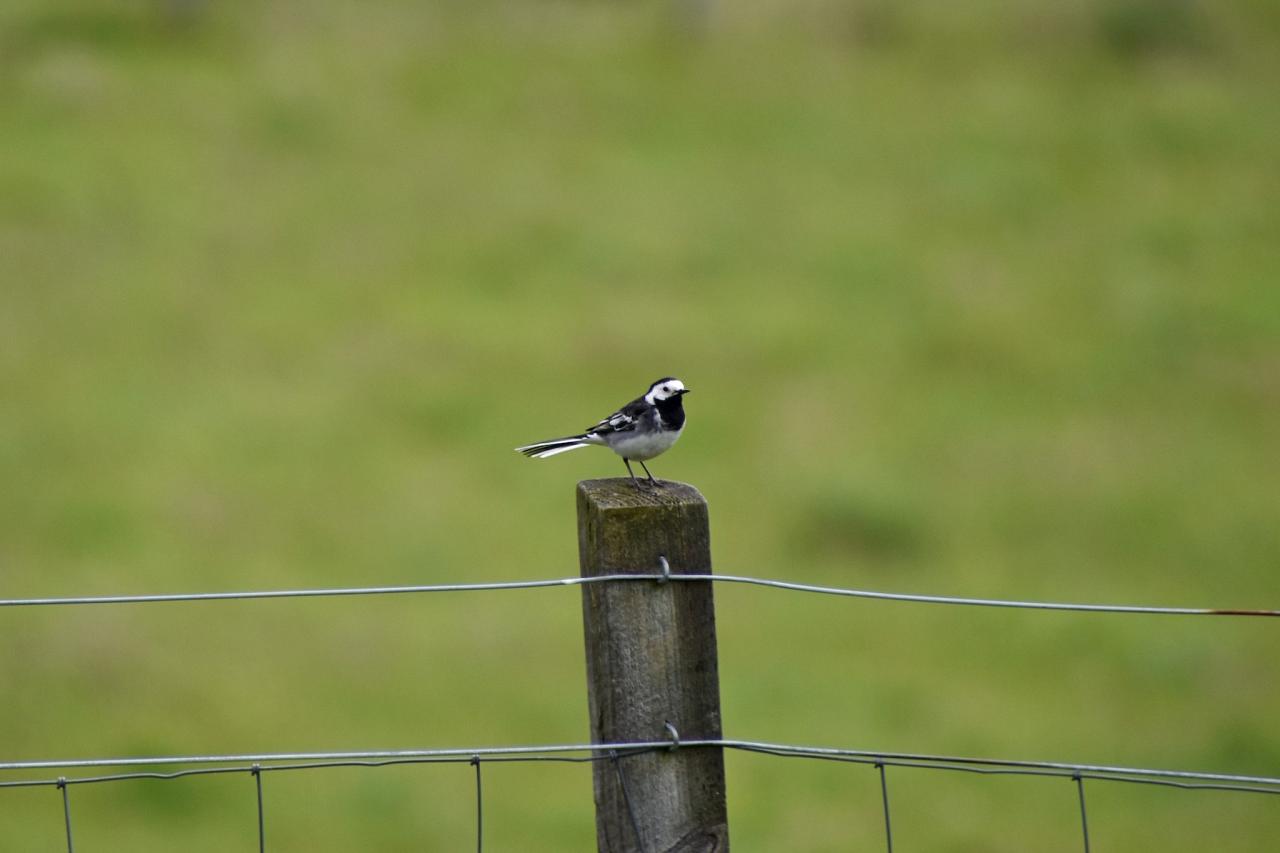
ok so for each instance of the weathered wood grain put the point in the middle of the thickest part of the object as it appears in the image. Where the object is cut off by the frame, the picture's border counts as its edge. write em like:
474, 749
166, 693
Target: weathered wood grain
651, 660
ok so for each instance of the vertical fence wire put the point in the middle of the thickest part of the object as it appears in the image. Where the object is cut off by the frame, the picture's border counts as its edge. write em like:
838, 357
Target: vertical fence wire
256, 770
626, 798
884, 797
1084, 814
475, 762
67, 813
614, 752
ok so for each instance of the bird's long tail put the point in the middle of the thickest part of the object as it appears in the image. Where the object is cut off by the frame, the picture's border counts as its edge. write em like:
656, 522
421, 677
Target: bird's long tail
543, 449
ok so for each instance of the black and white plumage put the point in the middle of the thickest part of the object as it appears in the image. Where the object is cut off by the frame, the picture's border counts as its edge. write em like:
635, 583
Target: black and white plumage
642, 429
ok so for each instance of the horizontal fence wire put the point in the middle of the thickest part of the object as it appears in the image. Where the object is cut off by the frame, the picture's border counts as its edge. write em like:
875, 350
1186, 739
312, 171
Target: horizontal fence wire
661, 577
149, 768
258, 764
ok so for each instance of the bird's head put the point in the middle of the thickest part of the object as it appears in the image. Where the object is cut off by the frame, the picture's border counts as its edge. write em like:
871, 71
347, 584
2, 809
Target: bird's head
666, 389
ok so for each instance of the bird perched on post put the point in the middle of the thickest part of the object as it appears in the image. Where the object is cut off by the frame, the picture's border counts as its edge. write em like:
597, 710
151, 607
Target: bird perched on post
642, 429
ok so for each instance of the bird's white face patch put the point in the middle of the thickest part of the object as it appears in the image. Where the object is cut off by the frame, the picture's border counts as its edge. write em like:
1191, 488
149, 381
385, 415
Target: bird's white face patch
665, 390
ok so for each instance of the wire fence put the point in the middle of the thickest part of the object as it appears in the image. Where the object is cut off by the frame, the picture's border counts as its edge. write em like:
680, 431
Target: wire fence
256, 766
259, 765
659, 577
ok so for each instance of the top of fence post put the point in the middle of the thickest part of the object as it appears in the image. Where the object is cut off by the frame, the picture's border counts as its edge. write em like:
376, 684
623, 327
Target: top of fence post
624, 530
652, 670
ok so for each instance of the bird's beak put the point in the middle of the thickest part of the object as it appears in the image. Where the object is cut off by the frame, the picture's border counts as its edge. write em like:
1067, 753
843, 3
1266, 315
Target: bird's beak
682, 392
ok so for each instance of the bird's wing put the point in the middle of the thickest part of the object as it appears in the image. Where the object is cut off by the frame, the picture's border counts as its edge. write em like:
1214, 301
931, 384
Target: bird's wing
623, 420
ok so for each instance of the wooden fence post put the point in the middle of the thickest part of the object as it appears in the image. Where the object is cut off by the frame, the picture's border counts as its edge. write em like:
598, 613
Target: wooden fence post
651, 661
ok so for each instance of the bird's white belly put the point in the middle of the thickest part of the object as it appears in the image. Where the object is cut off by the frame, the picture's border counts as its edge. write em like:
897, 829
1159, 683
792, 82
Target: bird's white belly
642, 448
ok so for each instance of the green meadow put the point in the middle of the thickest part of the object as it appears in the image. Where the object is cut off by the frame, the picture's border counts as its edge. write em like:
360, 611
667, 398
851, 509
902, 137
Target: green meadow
975, 299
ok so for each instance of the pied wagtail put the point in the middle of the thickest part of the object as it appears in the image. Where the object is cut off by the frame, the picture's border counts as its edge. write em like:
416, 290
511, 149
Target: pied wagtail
640, 430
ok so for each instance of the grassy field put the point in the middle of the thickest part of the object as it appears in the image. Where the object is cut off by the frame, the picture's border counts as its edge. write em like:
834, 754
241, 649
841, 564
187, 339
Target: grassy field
281, 285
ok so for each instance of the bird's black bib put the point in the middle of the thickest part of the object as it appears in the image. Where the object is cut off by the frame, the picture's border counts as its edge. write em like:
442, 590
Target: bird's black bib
671, 411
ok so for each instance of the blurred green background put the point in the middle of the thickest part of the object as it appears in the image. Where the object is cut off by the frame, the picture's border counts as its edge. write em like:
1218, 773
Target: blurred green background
975, 298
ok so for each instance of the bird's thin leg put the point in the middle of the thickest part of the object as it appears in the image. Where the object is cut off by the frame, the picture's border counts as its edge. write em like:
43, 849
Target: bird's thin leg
652, 481
634, 481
